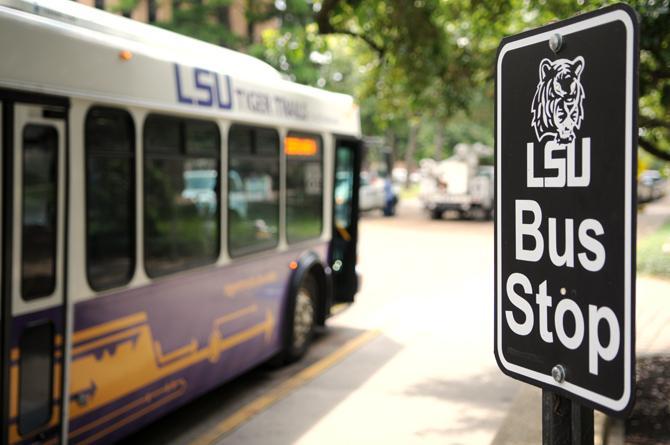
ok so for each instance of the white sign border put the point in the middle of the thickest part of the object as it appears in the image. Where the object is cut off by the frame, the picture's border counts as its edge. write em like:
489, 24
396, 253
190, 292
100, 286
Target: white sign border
613, 404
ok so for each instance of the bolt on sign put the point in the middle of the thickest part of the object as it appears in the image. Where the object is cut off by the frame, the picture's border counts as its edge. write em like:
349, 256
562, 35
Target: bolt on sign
566, 143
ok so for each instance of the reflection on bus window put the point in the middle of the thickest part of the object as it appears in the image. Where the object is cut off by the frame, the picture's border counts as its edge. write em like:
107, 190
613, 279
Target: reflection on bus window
237, 204
253, 190
304, 190
344, 186
181, 194
110, 197
200, 188
40, 205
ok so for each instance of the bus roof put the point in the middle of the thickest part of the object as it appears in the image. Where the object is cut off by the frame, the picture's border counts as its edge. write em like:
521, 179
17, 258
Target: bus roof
65, 48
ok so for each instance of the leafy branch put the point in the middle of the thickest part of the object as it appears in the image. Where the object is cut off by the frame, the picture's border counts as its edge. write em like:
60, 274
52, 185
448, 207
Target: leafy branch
652, 149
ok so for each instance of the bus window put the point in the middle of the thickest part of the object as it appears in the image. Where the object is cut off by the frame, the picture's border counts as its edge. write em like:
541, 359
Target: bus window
199, 138
304, 187
38, 239
110, 197
253, 189
36, 376
181, 194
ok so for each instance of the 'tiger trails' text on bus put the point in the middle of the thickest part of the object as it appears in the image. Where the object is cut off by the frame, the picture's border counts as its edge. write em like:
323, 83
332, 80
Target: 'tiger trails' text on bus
204, 88
173, 214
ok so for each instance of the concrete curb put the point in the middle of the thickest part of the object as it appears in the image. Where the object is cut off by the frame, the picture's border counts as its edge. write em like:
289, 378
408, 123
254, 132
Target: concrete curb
614, 432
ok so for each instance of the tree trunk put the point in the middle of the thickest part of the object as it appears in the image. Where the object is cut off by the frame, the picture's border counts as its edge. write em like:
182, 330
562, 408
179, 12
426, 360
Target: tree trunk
439, 141
390, 142
251, 24
411, 149
223, 16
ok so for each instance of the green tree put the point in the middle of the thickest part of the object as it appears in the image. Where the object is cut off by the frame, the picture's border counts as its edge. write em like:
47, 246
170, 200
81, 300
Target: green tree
204, 20
434, 59
438, 54
655, 77
209, 20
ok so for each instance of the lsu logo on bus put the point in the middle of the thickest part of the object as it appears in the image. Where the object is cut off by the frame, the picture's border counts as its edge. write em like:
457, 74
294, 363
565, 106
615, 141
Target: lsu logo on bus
198, 86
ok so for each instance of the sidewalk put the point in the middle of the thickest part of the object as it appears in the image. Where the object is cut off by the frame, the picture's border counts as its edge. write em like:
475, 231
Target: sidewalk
523, 424
653, 316
651, 216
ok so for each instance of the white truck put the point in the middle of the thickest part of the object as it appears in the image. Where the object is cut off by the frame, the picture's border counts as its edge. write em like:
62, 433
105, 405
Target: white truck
458, 183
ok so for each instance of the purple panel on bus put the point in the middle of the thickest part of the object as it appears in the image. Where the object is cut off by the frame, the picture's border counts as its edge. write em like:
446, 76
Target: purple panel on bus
141, 352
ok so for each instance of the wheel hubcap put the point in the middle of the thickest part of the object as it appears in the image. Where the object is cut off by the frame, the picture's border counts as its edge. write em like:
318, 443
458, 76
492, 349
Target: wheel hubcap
303, 318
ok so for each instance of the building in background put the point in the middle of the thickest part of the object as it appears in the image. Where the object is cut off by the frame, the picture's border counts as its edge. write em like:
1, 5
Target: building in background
148, 11
238, 18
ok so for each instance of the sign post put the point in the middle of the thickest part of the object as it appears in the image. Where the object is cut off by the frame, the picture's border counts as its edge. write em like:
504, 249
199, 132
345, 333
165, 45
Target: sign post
566, 163
565, 422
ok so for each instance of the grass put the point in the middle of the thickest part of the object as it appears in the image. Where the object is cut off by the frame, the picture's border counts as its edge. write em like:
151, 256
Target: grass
409, 192
653, 253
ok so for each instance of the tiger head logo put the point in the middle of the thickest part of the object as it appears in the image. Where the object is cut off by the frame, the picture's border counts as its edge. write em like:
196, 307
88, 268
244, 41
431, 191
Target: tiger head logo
557, 104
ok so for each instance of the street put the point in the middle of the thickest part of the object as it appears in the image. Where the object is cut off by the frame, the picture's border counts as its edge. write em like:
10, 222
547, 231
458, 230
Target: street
422, 370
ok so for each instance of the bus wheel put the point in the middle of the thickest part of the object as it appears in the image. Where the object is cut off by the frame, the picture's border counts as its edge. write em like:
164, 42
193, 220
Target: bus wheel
303, 319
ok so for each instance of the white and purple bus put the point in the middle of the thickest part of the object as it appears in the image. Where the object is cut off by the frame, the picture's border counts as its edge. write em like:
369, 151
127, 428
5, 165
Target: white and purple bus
173, 214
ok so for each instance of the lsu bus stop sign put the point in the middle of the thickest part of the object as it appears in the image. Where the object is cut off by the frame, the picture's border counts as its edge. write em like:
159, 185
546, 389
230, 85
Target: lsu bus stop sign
566, 142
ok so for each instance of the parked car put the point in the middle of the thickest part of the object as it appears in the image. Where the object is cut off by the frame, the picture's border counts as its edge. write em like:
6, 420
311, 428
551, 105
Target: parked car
650, 186
377, 193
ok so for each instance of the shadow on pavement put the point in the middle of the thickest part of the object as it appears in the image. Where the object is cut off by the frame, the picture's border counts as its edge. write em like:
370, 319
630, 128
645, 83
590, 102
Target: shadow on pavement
477, 390
480, 398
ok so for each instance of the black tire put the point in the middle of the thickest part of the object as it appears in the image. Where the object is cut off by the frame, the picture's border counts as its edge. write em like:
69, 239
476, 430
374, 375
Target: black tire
480, 214
435, 214
302, 320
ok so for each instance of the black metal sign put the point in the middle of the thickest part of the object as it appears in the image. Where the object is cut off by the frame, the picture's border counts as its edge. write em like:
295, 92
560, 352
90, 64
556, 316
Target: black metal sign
566, 142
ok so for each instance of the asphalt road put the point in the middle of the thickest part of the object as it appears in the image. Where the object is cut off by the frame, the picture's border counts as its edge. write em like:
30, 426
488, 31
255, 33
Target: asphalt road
410, 362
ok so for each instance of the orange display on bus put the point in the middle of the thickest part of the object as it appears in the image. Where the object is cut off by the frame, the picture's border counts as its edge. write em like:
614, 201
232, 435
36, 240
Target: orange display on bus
296, 146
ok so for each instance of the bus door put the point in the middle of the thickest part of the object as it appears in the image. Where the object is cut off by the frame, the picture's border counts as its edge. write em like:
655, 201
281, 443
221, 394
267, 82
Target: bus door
33, 292
345, 219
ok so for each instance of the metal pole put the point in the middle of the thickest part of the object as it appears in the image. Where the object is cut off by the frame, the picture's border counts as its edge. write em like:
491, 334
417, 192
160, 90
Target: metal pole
556, 419
565, 422
582, 424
